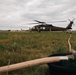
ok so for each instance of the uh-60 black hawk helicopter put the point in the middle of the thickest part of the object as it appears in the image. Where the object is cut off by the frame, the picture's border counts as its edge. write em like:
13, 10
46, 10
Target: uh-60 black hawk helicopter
42, 26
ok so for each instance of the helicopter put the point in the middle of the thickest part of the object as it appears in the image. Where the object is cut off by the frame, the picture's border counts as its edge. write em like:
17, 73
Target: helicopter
43, 26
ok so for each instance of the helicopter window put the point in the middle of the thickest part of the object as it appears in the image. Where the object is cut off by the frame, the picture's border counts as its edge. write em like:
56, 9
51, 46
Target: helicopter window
44, 28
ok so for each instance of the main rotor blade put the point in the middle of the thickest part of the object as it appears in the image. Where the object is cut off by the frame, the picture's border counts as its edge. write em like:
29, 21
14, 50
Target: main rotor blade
39, 21
58, 21
30, 24
61, 21
33, 23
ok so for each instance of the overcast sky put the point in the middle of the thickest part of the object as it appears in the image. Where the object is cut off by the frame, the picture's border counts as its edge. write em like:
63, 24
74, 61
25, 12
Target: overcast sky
16, 14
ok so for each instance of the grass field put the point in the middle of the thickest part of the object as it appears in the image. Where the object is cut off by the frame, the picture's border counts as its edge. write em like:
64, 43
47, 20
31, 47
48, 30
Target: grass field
23, 46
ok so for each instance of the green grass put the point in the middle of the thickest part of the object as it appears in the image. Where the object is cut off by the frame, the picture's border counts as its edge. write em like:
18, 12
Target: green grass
24, 46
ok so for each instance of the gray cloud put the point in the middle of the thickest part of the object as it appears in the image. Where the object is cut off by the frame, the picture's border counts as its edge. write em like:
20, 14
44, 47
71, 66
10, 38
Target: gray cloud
16, 13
